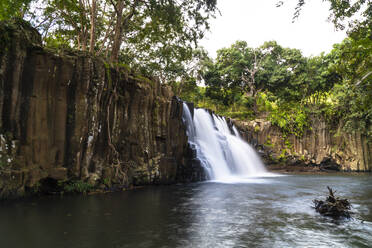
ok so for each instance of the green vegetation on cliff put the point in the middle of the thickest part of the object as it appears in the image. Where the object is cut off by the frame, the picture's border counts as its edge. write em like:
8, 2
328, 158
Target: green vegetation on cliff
281, 85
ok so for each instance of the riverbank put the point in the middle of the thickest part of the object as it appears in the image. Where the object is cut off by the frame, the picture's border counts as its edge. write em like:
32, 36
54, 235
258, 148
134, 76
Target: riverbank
310, 170
289, 169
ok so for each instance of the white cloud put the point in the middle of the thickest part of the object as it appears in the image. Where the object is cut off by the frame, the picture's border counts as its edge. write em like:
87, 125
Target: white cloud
257, 21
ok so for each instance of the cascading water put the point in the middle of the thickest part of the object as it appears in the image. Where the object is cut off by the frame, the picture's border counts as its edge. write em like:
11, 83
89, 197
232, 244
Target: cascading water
224, 154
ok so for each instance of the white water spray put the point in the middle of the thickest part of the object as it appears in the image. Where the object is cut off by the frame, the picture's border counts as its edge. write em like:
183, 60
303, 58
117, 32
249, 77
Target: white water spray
223, 153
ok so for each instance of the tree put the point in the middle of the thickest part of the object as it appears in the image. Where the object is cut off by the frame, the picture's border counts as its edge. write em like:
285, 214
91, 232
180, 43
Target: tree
237, 67
282, 71
240, 69
153, 37
320, 77
9, 9
217, 86
353, 95
117, 24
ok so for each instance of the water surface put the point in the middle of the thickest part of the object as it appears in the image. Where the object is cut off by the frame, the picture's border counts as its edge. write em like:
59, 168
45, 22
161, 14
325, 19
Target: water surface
264, 212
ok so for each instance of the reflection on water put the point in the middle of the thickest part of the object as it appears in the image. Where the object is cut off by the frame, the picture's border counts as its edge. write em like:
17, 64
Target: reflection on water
266, 212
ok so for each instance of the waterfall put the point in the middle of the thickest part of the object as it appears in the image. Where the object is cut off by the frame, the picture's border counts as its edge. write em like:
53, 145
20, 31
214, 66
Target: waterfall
223, 153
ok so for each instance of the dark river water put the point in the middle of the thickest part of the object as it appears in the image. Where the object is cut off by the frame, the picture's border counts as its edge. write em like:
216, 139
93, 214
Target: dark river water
267, 212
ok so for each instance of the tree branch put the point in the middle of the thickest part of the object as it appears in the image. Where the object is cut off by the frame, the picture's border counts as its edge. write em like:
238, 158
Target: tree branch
114, 5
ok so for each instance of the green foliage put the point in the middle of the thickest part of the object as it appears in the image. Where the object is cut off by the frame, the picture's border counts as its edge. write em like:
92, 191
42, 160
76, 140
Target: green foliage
268, 142
351, 98
283, 155
282, 72
156, 38
288, 145
257, 129
57, 41
13, 8
240, 109
281, 85
75, 186
107, 182
292, 119
339, 84
243, 71
302, 158
353, 106
234, 72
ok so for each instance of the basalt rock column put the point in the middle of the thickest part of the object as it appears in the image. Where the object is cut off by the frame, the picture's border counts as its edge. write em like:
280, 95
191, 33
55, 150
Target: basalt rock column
70, 116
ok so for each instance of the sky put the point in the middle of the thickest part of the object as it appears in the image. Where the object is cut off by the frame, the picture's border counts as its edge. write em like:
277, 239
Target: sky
257, 21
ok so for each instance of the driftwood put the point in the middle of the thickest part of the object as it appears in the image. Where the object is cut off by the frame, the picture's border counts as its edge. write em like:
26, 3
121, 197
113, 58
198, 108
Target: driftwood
333, 206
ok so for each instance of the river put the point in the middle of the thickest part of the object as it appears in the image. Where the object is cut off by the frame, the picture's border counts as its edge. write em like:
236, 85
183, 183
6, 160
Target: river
262, 212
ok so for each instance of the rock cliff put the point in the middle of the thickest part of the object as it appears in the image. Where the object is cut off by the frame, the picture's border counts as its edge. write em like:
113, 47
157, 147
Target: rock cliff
66, 116
323, 145
70, 116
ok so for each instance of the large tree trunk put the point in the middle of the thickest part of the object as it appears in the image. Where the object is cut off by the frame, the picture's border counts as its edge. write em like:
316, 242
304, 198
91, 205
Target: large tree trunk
83, 31
118, 31
84, 42
93, 12
122, 23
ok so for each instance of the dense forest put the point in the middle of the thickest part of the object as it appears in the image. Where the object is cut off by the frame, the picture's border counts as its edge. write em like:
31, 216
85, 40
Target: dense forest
160, 39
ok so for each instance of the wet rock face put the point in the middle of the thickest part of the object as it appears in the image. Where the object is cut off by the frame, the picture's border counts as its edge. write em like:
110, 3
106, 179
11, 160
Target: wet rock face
323, 146
72, 116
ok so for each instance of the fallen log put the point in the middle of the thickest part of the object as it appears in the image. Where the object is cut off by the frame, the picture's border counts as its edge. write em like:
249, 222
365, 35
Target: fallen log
333, 206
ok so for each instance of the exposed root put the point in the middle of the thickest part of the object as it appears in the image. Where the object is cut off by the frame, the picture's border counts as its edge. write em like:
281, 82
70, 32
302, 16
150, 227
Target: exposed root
333, 206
